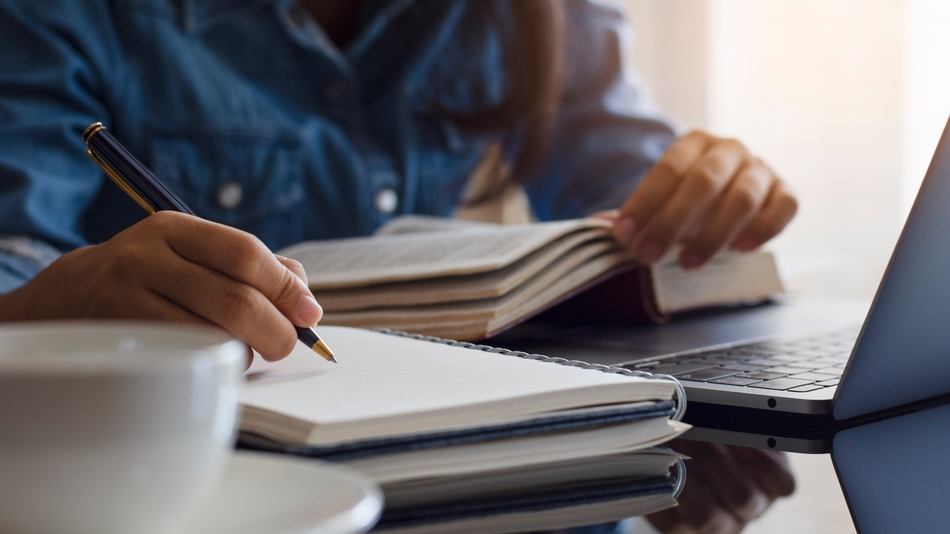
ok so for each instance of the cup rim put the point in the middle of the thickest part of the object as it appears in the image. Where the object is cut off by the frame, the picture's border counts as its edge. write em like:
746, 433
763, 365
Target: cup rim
205, 345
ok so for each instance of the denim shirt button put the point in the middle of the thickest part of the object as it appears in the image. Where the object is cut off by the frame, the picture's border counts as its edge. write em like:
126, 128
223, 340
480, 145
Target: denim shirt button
386, 201
229, 195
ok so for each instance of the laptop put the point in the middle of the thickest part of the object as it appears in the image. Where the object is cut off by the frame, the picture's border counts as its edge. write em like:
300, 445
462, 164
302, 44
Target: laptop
790, 375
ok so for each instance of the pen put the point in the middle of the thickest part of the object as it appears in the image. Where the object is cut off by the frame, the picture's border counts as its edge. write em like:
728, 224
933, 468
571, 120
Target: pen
149, 192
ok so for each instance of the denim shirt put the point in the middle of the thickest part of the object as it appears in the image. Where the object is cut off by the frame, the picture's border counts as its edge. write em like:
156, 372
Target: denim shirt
251, 114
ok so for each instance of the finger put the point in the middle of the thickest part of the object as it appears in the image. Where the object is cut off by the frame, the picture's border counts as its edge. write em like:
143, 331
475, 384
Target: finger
659, 185
741, 200
240, 256
779, 208
239, 308
607, 215
698, 190
295, 267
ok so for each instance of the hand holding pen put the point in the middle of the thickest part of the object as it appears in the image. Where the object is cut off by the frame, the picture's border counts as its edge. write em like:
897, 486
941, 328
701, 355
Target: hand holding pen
176, 267
280, 287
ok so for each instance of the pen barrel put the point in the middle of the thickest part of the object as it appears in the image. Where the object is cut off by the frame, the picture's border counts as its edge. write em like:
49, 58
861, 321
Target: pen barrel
107, 151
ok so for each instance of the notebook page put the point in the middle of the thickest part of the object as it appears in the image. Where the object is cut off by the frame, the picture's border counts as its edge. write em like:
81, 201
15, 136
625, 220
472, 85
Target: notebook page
387, 385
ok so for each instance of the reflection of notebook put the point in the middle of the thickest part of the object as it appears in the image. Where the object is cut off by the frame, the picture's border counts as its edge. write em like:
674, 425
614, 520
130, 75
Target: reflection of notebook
776, 384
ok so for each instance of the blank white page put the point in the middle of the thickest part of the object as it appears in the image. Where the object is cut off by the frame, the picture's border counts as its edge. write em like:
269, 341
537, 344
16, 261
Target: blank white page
387, 385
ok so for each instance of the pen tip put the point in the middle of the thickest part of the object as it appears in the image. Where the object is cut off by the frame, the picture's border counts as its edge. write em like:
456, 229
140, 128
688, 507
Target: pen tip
322, 349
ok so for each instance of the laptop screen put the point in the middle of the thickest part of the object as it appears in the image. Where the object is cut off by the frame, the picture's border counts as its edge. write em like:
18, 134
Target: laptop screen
894, 473
903, 353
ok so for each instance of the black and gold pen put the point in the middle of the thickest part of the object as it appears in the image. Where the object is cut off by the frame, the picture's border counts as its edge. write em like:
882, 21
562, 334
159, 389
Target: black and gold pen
145, 188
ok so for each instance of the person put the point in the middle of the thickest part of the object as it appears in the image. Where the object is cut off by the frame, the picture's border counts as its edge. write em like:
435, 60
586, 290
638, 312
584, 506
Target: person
279, 121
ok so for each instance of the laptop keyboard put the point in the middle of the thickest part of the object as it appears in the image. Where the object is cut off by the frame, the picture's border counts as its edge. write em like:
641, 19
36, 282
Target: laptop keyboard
798, 365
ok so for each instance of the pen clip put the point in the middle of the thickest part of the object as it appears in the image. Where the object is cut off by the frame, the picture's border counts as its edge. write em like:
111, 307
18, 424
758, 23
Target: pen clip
119, 181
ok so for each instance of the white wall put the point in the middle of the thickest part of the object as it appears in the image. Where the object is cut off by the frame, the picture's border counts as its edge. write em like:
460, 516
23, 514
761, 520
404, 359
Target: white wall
844, 98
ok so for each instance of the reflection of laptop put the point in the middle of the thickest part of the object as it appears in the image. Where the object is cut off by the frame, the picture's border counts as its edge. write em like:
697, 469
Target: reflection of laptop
894, 473
902, 353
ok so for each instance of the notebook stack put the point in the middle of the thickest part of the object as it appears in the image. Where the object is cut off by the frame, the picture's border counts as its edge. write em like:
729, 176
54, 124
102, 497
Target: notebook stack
469, 438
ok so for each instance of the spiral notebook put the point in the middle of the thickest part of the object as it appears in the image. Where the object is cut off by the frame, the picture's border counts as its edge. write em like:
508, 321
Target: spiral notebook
394, 391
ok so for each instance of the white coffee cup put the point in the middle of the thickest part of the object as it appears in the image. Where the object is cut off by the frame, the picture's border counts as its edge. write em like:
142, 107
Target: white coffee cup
112, 427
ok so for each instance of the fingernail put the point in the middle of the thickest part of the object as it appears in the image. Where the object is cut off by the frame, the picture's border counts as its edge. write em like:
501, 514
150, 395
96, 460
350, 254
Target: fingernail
625, 229
649, 252
308, 310
746, 243
690, 260
758, 506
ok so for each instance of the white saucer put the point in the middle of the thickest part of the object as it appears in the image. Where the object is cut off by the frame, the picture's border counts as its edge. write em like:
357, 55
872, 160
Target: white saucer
271, 494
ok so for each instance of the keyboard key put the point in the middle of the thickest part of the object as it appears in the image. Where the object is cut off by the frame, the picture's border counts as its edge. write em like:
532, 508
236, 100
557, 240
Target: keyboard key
759, 361
786, 369
734, 381
832, 382
746, 354
777, 347
814, 377
742, 367
734, 355
803, 365
679, 368
717, 359
761, 375
810, 353
831, 371
788, 357
830, 360
704, 375
780, 383
805, 389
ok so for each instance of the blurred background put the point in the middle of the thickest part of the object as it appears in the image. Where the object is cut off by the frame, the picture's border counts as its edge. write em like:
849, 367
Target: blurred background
846, 99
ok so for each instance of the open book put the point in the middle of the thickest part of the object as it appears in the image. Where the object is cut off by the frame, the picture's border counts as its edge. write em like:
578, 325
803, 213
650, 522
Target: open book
470, 281
447, 427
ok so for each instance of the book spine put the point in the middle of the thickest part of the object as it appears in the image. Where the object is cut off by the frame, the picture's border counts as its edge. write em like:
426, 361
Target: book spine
679, 396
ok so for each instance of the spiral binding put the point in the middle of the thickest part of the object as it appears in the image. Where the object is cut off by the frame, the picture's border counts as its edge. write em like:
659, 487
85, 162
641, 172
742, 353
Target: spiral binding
680, 478
680, 395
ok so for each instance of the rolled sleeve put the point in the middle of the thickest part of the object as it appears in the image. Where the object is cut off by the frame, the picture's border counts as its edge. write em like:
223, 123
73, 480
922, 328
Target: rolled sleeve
607, 134
21, 259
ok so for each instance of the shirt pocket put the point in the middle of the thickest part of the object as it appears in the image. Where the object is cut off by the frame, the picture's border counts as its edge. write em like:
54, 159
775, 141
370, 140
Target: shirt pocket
250, 179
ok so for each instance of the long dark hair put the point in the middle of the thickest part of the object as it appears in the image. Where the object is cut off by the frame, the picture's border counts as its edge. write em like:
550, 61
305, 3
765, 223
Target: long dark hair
535, 68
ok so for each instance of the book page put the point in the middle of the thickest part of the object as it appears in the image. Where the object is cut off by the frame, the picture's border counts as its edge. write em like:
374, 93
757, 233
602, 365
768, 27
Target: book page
372, 260
565, 252
729, 278
385, 385
413, 224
